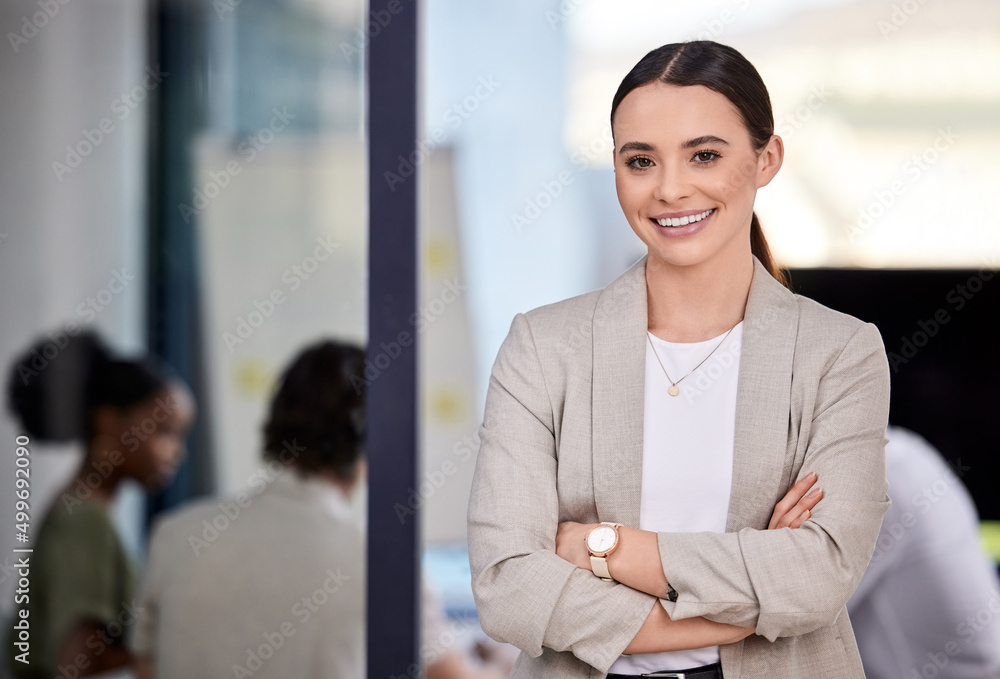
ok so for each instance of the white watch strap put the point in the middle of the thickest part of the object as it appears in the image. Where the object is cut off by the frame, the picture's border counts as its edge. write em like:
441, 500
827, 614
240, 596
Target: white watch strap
600, 567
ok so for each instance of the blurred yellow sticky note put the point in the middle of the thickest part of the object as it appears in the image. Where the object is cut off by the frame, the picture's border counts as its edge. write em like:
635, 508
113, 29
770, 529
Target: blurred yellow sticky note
439, 257
253, 378
989, 538
447, 403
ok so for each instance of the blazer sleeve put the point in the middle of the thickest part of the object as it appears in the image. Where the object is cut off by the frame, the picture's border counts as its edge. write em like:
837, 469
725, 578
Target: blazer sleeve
788, 582
526, 594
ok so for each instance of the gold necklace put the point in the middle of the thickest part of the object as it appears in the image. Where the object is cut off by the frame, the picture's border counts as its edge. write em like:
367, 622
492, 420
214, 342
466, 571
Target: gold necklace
674, 389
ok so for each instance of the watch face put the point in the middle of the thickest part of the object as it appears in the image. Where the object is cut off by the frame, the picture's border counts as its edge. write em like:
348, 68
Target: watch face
601, 539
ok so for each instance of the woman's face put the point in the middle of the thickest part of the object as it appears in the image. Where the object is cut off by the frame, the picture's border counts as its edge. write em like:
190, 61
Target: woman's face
687, 173
153, 434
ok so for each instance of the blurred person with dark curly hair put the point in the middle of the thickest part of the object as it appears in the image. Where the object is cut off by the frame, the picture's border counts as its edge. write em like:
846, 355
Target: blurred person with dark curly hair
131, 417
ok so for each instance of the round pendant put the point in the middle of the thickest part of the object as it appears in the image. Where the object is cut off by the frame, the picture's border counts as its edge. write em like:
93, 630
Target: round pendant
673, 390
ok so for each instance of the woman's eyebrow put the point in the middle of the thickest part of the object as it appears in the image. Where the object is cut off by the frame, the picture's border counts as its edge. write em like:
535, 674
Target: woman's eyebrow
689, 144
704, 139
635, 146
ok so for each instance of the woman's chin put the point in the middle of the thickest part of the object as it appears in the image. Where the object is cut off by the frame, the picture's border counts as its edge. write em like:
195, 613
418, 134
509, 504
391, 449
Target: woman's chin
676, 257
700, 253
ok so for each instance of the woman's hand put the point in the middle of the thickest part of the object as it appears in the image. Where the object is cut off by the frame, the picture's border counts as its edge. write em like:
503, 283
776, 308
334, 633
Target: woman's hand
792, 511
571, 543
636, 563
796, 507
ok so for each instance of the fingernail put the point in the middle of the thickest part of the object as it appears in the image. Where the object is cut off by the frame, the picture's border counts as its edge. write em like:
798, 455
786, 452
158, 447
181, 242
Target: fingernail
814, 491
812, 475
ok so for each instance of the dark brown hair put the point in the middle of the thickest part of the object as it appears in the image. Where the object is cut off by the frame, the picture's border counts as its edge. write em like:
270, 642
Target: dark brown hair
726, 71
58, 383
317, 418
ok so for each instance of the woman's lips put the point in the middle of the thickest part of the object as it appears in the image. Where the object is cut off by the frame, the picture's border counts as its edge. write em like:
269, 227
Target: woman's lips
682, 223
682, 218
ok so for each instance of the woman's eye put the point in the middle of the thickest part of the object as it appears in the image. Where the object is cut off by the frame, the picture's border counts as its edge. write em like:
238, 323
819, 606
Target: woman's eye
641, 162
705, 156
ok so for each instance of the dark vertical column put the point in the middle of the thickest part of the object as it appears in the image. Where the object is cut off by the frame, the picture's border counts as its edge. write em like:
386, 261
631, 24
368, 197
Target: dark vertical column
174, 293
393, 550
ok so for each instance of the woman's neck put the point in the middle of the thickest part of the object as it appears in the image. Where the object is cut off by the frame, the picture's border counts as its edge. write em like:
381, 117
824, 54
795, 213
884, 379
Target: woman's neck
696, 303
97, 478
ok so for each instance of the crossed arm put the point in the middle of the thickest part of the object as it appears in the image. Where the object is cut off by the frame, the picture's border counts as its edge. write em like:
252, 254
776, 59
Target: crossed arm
636, 563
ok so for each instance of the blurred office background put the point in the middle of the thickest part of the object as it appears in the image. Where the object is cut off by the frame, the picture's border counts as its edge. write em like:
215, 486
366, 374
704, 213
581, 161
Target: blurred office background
187, 178
213, 153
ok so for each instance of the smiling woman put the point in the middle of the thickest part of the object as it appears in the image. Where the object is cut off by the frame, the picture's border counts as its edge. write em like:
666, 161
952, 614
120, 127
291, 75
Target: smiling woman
614, 526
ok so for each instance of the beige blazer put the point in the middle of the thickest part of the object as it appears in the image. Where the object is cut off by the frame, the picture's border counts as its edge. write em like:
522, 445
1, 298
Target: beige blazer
562, 440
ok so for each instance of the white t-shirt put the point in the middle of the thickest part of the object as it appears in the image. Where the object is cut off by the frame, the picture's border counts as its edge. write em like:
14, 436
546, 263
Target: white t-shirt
687, 457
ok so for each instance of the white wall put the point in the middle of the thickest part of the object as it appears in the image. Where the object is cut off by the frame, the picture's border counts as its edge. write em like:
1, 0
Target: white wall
64, 237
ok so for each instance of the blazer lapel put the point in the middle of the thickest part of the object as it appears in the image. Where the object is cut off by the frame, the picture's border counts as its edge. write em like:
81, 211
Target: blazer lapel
762, 402
618, 400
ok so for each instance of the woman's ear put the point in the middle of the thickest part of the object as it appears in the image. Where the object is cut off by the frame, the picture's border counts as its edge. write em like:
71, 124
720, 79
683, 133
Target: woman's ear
769, 160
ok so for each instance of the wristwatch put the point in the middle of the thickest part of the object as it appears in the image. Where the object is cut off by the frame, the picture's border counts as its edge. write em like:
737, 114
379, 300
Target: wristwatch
602, 541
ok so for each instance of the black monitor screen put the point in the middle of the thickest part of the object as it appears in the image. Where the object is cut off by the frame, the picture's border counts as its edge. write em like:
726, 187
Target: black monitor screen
941, 330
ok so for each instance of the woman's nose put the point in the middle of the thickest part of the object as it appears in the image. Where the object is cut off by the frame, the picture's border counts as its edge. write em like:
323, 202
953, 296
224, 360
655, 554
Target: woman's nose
672, 185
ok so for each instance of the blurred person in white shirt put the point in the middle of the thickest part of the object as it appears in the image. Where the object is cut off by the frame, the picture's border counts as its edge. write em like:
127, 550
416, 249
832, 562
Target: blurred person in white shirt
271, 583
928, 607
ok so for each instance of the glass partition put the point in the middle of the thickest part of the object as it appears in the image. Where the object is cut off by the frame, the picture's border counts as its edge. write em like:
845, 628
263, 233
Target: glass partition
184, 178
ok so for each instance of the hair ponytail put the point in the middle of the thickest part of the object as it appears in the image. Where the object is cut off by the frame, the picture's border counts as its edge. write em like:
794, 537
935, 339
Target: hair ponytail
56, 384
760, 250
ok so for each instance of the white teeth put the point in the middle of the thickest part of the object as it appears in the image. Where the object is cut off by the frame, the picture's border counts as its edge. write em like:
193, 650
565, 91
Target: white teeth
684, 221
